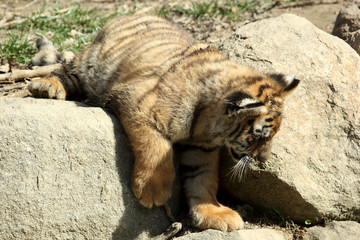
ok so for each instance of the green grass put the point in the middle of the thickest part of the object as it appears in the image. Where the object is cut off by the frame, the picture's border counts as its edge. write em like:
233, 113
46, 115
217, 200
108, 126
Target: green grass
229, 9
68, 29
17, 46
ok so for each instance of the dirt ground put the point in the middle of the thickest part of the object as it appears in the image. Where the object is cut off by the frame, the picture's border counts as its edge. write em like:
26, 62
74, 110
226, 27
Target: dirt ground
213, 31
321, 12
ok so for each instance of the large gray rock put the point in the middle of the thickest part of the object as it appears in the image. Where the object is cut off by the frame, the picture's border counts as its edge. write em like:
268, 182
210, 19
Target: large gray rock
347, 25
65, 174
348, 230
314, 169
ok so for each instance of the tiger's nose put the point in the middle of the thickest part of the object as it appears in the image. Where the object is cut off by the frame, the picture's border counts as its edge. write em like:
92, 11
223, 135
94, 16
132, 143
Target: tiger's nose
263, 156
263, 152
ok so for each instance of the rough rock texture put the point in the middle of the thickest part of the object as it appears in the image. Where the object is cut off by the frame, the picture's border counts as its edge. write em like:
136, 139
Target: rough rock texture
314, 169
347, 25
247, 234
348, 230
65, 174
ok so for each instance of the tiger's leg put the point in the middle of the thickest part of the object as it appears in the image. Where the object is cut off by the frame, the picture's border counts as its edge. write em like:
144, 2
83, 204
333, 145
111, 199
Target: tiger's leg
153, 172
48, 87
201, 184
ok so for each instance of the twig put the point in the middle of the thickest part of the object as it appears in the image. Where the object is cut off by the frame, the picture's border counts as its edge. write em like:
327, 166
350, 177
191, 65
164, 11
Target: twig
13, 87
5, 23
20, 73
307, 3
16, 21
6, 82
25, 6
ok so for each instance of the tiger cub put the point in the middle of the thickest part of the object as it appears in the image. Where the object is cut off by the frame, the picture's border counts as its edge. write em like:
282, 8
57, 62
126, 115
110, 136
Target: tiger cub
166, 90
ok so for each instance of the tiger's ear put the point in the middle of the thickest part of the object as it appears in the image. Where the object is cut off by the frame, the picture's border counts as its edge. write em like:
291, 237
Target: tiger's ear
288, 83
240, 103
291, 85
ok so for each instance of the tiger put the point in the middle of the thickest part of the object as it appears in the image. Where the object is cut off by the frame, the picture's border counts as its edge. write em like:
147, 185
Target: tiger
166, 90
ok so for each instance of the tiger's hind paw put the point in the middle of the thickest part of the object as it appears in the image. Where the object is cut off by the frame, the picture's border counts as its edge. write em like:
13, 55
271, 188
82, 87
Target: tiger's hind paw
218, 217
49, 87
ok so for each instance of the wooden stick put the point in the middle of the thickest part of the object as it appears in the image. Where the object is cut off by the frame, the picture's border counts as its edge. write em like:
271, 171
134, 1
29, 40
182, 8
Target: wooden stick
9, 23
12, 87
28, 73
25, 6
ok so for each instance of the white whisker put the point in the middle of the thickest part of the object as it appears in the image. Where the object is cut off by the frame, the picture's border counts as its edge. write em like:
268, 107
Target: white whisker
239, 170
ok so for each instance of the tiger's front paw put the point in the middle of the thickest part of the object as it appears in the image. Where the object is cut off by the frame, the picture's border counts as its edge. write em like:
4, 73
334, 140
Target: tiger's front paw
47, 88
154, 189
218, 217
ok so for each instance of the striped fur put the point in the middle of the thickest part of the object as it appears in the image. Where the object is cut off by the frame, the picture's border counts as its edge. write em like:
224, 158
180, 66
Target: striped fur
166, 90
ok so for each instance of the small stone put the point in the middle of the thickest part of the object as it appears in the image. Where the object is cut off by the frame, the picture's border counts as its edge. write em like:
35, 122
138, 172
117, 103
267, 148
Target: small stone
347, 25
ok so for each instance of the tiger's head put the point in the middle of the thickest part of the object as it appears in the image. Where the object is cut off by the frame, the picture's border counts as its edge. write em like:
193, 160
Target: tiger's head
255, 113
